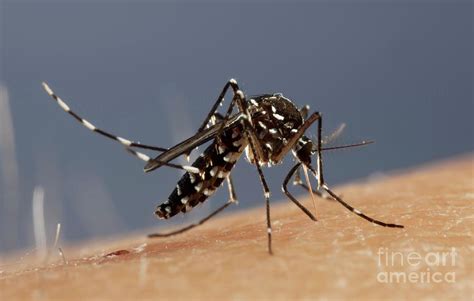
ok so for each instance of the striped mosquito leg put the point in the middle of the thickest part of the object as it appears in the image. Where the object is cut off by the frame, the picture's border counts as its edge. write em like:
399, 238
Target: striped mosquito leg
90, 126
237, 97
358, 212
212, 115
179, 231
266, 193
320, 157
147, 159
231, 83
256, 149
284, 188
322, 184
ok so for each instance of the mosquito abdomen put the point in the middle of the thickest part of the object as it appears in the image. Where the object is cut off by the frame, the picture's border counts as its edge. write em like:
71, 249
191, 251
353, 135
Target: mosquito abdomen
214, 165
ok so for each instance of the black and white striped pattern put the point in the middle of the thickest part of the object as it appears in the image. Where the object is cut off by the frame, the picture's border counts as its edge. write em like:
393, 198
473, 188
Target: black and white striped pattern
88, 124
125, 142
357, 211
214, 165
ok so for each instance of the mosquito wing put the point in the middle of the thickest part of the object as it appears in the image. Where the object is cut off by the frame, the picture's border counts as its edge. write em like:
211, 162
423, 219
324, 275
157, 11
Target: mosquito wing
190, 143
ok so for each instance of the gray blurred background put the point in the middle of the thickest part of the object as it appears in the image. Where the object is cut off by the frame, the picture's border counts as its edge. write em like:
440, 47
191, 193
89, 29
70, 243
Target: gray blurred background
397, 72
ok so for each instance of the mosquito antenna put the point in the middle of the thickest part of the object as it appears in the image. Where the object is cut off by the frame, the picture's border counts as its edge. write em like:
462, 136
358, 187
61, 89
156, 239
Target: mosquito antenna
305, 169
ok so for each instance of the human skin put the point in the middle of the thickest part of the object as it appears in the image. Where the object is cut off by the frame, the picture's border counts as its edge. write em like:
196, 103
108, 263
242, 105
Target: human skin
341, 256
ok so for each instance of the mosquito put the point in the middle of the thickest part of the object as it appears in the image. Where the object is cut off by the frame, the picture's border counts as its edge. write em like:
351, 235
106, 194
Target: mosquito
266, 127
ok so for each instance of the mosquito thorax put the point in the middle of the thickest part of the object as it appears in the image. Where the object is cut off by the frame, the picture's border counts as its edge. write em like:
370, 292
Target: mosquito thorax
276, 120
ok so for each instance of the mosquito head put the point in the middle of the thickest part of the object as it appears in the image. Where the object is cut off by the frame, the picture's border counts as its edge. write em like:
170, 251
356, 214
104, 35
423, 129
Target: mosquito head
303, 150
